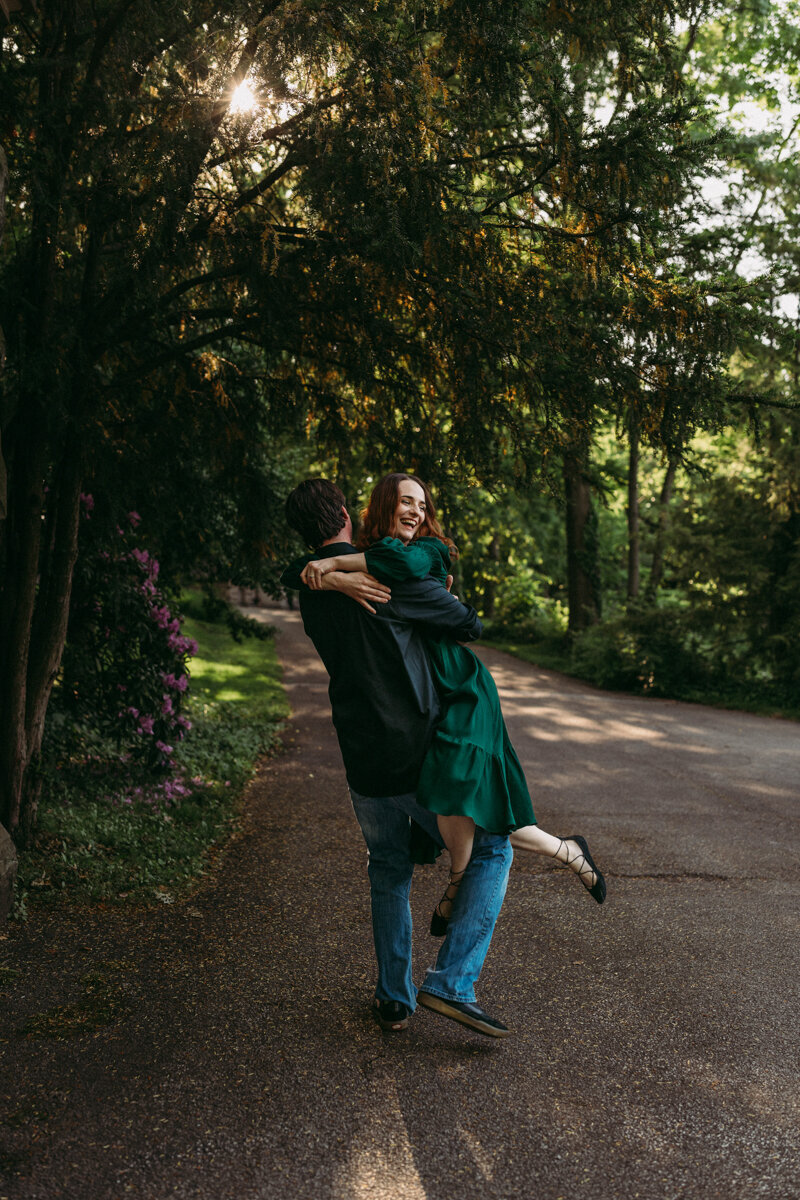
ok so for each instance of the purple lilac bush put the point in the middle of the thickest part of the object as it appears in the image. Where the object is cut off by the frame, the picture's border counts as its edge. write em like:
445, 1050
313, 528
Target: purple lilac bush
124, 677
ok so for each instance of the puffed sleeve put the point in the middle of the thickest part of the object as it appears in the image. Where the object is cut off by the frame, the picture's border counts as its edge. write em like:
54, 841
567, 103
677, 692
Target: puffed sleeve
391, 561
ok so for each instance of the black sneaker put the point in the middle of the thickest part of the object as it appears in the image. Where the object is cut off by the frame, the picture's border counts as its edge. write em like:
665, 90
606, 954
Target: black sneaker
468, 1014
391, 1015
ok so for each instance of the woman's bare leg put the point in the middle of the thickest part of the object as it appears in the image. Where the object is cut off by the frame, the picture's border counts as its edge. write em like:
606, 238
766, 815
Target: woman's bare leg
458, 834
566, 850
531, 837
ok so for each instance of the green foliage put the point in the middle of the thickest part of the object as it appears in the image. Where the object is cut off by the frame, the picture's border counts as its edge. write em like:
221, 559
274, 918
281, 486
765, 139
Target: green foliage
210, 607
242, 673
426, 231
735, 555
511, 548
123, 672
723, 627
466, 247
105, 836
651, 651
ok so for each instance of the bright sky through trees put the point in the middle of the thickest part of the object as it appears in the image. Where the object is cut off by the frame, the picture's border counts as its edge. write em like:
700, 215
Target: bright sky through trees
244, 99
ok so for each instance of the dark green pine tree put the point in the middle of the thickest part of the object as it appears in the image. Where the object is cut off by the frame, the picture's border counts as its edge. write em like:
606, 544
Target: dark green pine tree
417, 239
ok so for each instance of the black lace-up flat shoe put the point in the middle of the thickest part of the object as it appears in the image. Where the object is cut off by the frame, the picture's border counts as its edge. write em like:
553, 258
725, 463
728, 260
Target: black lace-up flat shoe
587, 869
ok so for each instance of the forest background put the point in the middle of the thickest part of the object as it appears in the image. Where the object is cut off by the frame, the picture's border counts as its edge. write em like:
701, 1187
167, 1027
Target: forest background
544, 254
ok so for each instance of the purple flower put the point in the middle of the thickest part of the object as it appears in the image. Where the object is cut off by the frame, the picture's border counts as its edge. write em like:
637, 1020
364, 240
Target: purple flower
161, 616
182, 645
166, 707
134, 519
164, 748
179, 685
146, 724
184, 722
88, 503
175, 787
134, 712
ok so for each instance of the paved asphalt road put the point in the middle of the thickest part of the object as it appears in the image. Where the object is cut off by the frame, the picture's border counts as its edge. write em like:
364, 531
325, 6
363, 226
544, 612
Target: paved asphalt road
656, 1037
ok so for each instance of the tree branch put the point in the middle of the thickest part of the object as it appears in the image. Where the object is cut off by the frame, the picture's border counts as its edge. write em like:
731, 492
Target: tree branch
245, 198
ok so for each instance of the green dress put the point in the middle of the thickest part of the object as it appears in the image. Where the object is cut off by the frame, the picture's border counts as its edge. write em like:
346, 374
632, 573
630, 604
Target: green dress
471, 768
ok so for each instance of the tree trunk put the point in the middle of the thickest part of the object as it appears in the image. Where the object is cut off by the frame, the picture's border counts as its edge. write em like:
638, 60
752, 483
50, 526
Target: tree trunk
22, 537
3, 474
8, 853
490, 583
37, 555
633, 509
50, 626
781, 604
583, 575
35, 605
657, 568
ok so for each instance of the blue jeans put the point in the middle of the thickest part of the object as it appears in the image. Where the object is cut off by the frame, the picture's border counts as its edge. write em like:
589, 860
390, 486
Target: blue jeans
384, 821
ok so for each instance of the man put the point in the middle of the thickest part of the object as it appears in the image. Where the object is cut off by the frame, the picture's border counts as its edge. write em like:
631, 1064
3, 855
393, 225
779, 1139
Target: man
385, 709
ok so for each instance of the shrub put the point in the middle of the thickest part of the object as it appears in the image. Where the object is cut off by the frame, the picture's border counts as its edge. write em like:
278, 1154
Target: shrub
123, 677
644, 649
111, 829
543, 623
209, 606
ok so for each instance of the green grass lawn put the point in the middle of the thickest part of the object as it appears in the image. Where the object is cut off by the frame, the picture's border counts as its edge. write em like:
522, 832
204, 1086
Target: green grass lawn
100, 841
242, 673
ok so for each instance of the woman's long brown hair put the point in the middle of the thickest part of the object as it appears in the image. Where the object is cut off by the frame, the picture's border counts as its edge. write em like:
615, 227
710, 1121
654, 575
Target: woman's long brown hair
377, 519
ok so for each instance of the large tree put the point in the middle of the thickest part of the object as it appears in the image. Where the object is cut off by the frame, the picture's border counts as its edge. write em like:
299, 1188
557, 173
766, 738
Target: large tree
401, 225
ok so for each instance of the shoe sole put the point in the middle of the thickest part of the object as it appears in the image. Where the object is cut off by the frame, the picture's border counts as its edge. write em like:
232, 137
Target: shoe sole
436, 1004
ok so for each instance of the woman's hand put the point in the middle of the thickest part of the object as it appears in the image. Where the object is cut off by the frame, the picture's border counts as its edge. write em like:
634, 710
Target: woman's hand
314, 572
359, 586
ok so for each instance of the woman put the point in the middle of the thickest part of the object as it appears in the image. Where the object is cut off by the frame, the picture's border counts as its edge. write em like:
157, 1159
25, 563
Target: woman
471, 774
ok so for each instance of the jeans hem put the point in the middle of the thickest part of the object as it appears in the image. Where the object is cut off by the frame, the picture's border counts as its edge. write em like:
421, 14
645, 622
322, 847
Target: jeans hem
409, 1002
446, 996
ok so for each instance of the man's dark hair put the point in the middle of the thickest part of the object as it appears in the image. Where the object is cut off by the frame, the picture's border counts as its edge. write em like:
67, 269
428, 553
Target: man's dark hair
314, 509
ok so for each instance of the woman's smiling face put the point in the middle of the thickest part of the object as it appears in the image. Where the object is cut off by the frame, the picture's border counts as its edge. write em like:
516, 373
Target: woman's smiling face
410, 511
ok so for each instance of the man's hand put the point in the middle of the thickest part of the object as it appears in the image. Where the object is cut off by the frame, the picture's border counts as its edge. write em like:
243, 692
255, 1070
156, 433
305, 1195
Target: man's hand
359, 586
315, 571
